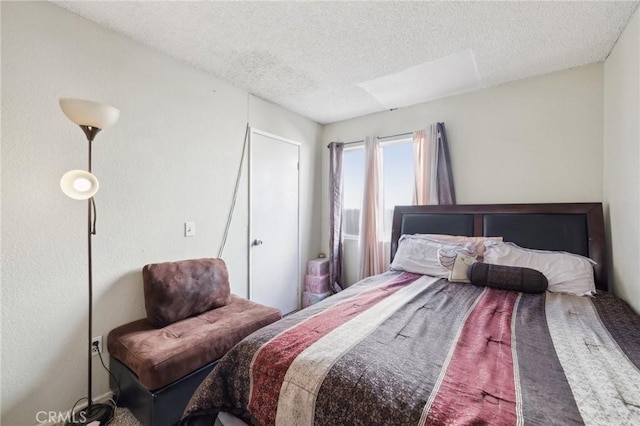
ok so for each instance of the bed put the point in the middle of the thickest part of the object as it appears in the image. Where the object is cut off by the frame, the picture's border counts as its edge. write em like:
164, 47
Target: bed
404, 348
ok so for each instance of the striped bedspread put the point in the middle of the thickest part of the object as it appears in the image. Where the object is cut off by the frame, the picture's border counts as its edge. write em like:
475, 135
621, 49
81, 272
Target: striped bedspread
405, 349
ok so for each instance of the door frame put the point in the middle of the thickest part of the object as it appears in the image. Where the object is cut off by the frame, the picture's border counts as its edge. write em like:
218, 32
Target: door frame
253, 131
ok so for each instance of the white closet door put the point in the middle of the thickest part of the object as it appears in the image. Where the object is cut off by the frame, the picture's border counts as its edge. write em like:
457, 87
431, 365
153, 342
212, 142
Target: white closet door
274, 247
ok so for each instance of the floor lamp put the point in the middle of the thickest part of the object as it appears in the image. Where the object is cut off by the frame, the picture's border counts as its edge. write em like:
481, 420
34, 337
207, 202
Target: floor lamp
83, 185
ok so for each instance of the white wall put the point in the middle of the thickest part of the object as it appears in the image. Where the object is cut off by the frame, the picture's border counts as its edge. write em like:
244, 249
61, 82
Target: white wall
172, 157
535, 140
622, 161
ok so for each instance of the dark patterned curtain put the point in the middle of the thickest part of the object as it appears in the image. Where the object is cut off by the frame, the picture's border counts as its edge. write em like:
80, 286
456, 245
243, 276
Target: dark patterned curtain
446, 192
335, 216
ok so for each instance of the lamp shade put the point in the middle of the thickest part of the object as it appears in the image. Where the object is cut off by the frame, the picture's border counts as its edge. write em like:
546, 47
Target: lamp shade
89, 113
79, 184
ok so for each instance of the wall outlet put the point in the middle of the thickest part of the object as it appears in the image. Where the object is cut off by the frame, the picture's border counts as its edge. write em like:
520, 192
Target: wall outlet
94, 341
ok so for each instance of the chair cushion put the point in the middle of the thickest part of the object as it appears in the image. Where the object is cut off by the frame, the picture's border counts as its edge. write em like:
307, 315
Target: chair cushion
177, 290
160, 356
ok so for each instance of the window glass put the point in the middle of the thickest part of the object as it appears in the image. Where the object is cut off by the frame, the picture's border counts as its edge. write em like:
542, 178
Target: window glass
397, 179
353, 180
397, 183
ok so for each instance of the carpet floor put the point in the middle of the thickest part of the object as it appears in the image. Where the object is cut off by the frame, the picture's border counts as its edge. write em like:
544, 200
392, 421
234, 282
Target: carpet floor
124, 417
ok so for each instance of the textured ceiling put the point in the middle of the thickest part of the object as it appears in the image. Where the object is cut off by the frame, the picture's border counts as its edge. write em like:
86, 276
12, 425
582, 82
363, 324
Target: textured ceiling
310, 57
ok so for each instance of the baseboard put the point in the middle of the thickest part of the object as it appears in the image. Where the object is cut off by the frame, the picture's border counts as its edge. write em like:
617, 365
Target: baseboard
104, 398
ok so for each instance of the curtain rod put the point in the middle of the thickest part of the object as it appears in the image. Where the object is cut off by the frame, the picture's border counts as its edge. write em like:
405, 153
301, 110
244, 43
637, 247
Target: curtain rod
381, 137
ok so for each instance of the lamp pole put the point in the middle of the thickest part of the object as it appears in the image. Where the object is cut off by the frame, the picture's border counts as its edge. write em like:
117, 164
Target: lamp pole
90, 232
81, 185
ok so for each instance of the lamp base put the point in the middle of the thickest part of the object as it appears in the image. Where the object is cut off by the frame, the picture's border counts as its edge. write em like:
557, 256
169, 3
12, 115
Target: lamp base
101, 413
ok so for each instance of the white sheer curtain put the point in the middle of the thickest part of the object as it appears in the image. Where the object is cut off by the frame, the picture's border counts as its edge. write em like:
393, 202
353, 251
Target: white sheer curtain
425, 157
434, 180
371, 221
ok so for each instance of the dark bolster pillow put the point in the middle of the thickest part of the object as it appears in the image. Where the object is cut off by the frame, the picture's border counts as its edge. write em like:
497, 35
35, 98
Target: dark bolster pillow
177, 290
513, 278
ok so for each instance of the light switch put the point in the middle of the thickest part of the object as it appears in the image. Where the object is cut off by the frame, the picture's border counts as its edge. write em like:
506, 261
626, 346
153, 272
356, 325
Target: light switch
189, 229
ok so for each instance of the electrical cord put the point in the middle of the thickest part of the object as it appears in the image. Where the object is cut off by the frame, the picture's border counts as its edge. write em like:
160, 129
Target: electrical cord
73, 409
115, 402
235, 192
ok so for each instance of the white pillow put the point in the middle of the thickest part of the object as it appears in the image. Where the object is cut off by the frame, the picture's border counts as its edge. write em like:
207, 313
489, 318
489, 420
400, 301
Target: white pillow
420, 255
477, 241
566, 272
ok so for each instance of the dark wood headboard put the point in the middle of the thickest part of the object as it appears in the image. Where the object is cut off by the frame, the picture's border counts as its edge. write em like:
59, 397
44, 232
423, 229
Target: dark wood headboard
571, 227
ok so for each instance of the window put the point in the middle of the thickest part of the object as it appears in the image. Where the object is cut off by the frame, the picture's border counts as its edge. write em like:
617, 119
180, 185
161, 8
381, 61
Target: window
353, 178
397, 183
398, 179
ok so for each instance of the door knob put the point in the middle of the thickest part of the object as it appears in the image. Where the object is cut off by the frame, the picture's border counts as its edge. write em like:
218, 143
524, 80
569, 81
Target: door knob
256, 242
